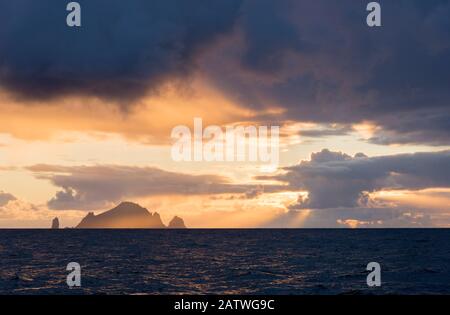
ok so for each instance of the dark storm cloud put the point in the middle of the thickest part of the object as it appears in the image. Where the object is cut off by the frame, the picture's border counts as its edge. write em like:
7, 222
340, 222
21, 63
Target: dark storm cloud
269, 36
326, 65
316, 59
94, 187
327, 131
123, 48
422, 126
335, 179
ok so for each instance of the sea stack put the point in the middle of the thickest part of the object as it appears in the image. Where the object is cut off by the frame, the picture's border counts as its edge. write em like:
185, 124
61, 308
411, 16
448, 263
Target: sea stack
55, 224
177, 223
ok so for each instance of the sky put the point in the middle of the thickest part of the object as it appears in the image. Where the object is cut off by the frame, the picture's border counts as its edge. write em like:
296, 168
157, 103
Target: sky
87, 112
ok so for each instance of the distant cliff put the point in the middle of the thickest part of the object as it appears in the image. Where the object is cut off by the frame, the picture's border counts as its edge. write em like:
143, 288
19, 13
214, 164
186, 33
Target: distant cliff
126, 215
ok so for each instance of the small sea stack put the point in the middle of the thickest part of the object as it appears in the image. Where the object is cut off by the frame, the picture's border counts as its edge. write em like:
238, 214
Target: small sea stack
55, 224
176, 223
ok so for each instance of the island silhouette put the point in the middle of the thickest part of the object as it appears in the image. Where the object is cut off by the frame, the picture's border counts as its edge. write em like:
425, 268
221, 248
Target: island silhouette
127, 215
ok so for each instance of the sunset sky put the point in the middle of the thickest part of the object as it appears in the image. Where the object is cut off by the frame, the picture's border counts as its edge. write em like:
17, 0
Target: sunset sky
87, 112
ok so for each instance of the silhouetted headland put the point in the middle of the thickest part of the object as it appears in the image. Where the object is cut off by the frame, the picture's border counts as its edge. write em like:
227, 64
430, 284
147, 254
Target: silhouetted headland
127, 215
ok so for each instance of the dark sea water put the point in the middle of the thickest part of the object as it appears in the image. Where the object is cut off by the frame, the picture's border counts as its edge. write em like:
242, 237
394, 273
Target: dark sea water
225, 261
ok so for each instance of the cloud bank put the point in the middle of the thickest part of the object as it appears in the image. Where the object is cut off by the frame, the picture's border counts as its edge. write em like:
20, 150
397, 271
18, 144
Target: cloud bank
317, 61
123, 49
337, 180
320, 62
98, 187
5, 198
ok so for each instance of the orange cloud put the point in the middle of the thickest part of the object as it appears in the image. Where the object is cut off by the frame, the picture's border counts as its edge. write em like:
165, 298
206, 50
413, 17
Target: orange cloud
150, 120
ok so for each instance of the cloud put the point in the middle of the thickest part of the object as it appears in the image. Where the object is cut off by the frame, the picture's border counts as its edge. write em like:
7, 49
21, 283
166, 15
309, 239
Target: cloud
122, 51
320, 62
20, 213
16, 209
353, 218
327, 131
416, 127
316, 61
5, 198
335, 179
149, 122
97, 187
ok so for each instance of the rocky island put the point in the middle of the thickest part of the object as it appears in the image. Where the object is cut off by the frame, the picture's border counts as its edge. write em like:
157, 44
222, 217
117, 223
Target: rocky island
127, 215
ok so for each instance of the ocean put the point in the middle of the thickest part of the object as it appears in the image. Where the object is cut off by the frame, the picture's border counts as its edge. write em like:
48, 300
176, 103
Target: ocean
228, 261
